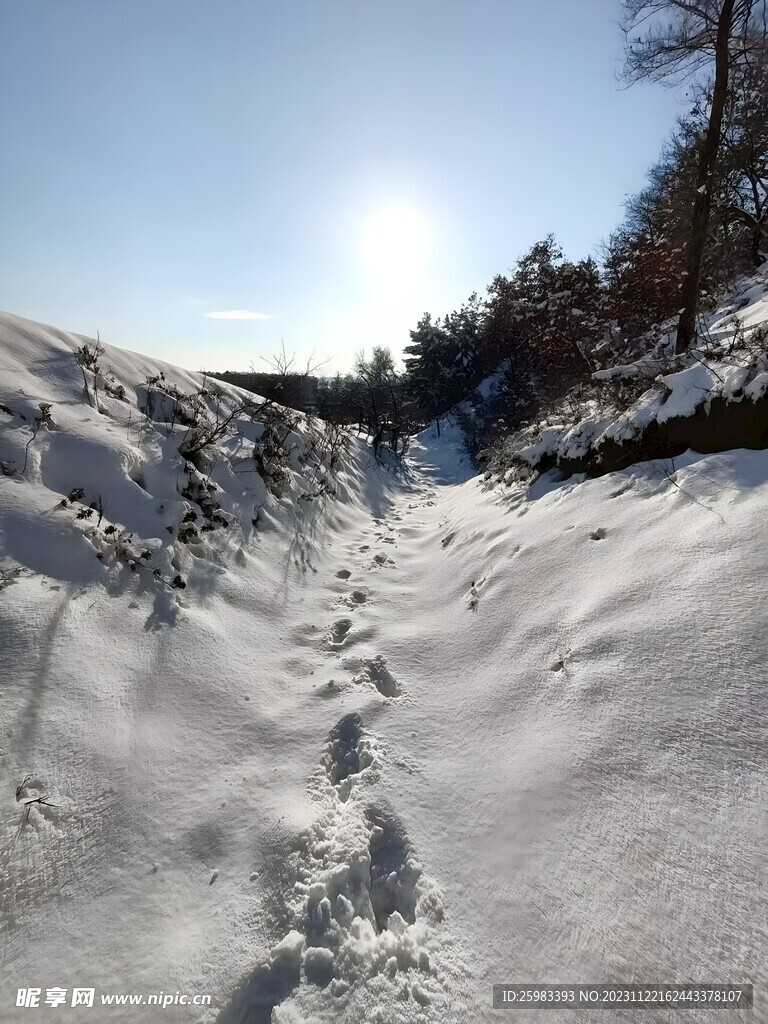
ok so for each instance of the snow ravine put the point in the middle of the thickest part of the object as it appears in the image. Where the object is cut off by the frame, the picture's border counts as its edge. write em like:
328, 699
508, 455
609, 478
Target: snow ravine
382, 752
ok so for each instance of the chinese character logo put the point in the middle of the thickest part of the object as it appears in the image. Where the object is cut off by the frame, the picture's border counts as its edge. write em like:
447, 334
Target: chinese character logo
55, 996
82, 996
28, 996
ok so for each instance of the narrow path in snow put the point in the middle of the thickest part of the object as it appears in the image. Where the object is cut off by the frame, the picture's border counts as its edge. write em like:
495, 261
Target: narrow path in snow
367, 924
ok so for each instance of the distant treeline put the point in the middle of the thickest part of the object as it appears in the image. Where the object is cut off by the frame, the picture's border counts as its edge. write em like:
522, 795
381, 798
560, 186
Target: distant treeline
338, 399
296, 390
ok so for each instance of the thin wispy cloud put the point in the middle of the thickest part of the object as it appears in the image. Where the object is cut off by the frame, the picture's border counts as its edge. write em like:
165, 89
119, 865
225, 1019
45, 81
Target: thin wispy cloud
238, 314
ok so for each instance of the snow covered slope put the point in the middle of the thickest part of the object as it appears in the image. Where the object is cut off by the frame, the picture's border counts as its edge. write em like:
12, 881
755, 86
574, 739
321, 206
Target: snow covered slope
729, 368
380, 752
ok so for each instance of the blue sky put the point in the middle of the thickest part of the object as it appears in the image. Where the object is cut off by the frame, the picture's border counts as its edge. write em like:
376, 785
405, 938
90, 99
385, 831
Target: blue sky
339, 166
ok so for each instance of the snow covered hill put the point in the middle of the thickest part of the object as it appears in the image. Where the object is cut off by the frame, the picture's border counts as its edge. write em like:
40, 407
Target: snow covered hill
381, 750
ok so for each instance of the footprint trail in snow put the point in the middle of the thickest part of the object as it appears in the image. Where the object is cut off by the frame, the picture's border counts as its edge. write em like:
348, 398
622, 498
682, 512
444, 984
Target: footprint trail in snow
367, 924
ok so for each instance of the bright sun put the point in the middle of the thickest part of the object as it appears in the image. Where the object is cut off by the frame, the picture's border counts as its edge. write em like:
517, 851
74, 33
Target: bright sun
396, 245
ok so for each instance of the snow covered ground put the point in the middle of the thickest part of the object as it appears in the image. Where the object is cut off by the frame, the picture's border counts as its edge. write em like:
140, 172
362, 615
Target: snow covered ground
381, 751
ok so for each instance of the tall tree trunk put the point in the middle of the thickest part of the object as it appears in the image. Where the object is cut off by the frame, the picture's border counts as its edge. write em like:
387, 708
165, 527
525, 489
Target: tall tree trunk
686, 327
754, 245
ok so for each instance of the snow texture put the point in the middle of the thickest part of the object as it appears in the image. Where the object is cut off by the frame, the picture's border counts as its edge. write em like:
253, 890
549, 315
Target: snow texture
381, 751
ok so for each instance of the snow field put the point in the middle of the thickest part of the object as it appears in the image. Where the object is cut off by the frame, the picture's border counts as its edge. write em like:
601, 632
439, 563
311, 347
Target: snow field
380, 752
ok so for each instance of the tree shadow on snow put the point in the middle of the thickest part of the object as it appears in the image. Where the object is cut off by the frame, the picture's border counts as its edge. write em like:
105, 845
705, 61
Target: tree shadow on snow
41, 674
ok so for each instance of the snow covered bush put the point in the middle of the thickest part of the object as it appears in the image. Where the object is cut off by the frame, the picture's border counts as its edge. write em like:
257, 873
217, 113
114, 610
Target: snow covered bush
8, 576
156, 472
709, 398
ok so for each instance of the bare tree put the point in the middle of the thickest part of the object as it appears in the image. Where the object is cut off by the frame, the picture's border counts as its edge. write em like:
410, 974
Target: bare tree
745, 152
283, 365
294, 386
671, 39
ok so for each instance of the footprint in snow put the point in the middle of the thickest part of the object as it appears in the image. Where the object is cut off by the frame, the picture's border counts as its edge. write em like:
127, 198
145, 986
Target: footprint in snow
474, 596
394, 871
560, 664
382, 559
375, 671
352, 600
346, 754
339, 632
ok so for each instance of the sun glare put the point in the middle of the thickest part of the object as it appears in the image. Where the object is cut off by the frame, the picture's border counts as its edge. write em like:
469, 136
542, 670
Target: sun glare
396, 244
